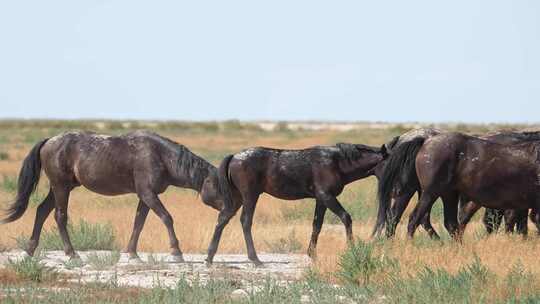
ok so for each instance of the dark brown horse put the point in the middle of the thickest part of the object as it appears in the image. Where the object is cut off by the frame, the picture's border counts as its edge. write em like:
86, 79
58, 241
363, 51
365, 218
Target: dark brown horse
140, 162
454, 165
319, 172
492, 217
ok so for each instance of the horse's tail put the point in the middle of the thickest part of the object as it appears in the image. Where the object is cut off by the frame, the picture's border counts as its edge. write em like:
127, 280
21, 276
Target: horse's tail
27, 183
224, 182
400, 171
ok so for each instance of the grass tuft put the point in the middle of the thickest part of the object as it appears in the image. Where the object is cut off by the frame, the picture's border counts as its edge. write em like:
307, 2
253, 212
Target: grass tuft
360, 263
9, 184
84, 236
101, 261
31, 268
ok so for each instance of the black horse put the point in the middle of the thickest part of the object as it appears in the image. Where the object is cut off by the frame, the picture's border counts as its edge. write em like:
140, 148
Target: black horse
319, 172
140, 162
454, 165
492, 217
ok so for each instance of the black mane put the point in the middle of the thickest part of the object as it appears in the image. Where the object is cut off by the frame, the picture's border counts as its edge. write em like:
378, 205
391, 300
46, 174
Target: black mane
193, 167
352, 152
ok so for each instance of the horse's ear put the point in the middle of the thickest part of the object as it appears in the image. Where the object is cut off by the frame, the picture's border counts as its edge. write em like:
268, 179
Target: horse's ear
390, 145
384, 151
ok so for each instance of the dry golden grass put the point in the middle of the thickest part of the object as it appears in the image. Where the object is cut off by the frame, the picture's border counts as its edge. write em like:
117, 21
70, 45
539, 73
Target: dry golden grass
194, 222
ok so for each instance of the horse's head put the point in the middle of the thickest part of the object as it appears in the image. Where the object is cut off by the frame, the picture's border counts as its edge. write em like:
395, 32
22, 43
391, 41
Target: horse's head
361, 160
210, 193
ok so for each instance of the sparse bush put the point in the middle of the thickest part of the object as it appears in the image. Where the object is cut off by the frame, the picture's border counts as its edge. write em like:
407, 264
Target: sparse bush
282, 126
73, 263
360, 263
4, 155
214, 291
84, 236
285, 245
518, 279
9, 184
31, 268
272, 291
440, 286
103, 260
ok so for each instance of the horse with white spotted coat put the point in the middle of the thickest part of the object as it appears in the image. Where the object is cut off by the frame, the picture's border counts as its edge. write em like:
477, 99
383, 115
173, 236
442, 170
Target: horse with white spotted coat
319, 172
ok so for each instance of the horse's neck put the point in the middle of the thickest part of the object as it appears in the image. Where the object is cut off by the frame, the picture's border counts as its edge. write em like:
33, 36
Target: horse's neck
191, 172
353, 171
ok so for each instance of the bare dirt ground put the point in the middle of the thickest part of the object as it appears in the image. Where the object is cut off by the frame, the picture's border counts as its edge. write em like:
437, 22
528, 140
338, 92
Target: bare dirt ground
155, 270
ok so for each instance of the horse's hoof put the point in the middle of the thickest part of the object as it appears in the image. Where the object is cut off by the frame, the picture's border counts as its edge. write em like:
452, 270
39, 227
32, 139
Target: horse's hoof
75, 257
258, 264
175, 259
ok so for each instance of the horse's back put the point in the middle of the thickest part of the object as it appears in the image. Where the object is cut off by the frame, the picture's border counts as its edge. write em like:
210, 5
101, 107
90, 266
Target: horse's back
285, 174
489, 173
104, 164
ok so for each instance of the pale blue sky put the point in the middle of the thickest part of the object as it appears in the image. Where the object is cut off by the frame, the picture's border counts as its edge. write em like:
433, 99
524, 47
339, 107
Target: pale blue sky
470, 61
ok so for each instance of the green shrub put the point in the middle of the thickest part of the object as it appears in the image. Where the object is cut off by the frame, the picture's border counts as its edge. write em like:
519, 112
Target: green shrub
9, 184
73, 263
282, 126
440, 286
214, 291
31, 268
518, 278
84, 236
103, 260
4, 155
359, 263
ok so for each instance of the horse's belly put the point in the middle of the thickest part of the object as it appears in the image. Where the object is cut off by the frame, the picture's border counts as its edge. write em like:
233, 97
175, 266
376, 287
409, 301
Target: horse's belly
105, 181
288, 190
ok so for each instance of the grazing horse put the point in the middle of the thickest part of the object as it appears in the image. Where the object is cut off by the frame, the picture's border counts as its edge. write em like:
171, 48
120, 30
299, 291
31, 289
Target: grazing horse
318, 172
139, 162
451, 165
492, 217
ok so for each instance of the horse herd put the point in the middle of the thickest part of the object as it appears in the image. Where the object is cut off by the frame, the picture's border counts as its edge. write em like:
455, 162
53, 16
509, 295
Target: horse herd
500, 171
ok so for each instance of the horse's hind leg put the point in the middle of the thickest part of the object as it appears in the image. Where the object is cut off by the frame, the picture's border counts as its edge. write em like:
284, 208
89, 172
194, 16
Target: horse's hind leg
61, 198
152, 200
333, 204
450, 205
223, 219
466, 216
428, 227
42, 213
400, 204
246, 219
318, 219
140, 217
423, 206
520, 220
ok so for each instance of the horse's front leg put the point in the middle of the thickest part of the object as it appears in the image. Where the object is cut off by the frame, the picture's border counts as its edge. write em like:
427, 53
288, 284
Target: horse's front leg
398, 208
318, 219
333, 204
152, 201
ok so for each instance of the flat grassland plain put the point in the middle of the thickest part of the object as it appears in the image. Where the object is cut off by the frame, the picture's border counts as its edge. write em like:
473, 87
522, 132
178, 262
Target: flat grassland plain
498, 268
